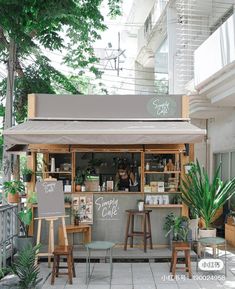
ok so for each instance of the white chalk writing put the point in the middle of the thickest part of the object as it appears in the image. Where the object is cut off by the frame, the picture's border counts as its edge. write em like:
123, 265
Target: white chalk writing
161, 108
49, 187
109, 208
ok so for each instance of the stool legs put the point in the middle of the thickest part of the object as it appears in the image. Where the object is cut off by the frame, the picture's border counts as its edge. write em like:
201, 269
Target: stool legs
127, 231
145, 236
132, 230
53, 274
150, 231
145, 233
187, 262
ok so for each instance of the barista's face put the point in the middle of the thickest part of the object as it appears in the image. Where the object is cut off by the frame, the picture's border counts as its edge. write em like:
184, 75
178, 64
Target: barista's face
122, 173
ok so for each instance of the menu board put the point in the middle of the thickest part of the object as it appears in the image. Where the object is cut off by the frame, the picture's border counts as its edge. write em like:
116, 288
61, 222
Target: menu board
50, 199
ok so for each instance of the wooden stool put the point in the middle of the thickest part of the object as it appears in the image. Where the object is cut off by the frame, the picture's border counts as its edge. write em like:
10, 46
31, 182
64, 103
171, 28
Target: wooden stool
181, 246
66, 251
146, 223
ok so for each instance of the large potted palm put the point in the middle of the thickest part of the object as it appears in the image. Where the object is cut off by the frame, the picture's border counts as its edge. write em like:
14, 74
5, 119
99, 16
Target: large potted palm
206, 197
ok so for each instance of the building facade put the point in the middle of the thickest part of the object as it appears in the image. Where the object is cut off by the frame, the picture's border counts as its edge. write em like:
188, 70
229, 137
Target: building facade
188, 47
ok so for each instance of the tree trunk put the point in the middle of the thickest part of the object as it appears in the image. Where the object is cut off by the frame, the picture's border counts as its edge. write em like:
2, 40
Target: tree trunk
8, 120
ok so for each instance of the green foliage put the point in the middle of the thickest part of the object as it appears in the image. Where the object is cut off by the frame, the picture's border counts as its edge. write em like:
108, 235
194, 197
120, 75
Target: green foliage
13, 187
203, 196
4, 272
25, 217
24, 267
26, 171
178, 225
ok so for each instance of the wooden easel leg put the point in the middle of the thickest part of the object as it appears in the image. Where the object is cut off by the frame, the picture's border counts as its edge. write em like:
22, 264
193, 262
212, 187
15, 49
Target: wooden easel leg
49, 245
64, 231
51, 242
38, 238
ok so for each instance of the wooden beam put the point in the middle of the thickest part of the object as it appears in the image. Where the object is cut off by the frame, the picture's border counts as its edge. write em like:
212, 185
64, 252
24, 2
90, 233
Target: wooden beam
185, 106
31, 106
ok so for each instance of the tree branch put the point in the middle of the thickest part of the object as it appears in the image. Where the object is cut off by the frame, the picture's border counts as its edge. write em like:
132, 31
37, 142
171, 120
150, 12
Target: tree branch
3, 39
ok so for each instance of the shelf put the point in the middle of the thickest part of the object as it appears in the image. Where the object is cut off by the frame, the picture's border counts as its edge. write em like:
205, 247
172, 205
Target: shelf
168, 172
165, 193
164, 206
60, 172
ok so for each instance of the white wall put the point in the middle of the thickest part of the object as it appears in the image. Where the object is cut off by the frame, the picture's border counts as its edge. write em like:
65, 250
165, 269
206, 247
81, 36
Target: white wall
221, 132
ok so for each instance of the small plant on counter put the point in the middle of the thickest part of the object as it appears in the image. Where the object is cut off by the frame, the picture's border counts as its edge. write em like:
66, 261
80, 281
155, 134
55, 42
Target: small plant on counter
68, 199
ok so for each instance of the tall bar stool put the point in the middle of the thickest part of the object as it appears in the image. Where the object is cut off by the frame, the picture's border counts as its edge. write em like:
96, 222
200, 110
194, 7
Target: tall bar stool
130, 231
60, 251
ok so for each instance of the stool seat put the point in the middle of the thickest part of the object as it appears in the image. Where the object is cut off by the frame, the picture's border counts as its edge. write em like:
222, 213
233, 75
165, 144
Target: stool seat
130, 232
58, 252
100, 245
177, 247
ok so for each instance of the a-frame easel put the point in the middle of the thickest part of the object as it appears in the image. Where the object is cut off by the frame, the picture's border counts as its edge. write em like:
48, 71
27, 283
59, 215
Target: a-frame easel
51, 243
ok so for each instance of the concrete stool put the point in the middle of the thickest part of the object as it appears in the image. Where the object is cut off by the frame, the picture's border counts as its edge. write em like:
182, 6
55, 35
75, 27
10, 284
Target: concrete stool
146, 225
60, 251
185, 247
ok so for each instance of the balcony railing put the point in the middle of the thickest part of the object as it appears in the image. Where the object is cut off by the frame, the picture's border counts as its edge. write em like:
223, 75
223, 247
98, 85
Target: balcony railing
216, 52
8, 230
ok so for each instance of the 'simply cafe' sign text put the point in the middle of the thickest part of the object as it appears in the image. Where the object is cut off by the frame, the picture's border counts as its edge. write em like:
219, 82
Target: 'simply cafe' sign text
107, 208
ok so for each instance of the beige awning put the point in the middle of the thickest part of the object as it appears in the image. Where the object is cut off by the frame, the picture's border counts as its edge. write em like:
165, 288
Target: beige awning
103, 132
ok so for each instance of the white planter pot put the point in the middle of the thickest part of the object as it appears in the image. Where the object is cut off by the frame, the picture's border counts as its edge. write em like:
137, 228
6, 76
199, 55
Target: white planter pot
193, 225
187, 168
140, 206
203, 233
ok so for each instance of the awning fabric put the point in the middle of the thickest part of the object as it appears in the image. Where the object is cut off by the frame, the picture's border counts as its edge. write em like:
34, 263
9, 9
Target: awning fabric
103, 132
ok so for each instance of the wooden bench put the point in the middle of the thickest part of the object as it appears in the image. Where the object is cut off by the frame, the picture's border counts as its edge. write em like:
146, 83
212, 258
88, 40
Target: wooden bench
72, 229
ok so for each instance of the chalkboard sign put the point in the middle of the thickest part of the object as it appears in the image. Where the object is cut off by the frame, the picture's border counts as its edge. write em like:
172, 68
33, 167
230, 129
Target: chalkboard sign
50, 199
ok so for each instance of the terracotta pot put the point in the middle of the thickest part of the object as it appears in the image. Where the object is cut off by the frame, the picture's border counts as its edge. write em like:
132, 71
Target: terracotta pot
13, 199
78, 188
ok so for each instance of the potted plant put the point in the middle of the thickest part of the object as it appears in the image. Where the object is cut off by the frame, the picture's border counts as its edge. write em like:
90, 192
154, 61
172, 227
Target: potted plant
76, 217
12, 190
177, 227
79, 180
23, 239
206, 197
27, 174
140, 205
26, 270
187, 168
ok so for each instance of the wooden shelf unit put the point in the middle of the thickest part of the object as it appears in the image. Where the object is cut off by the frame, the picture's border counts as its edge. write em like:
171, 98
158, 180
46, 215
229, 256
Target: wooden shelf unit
167, 172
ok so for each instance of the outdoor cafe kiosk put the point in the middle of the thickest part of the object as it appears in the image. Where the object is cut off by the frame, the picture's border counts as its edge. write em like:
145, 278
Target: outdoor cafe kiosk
81, 139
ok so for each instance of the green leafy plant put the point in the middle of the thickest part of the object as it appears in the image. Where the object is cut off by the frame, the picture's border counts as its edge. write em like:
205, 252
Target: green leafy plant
32, 197
178, 226
24, 267
26, 171
25, 216
80, 177
13, 187
67, 199
203, 196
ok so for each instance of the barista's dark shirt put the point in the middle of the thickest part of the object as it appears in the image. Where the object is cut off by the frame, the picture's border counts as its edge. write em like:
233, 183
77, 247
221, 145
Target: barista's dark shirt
124, 183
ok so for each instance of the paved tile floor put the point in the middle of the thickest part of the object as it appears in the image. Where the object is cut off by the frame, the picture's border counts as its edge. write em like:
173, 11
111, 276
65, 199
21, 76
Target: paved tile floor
142, 276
